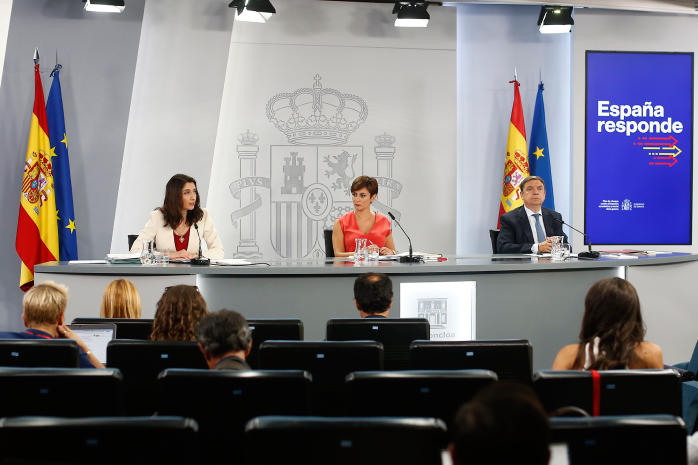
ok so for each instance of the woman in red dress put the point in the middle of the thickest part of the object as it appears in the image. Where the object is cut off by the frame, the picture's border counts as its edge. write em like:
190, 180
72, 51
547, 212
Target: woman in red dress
362, 223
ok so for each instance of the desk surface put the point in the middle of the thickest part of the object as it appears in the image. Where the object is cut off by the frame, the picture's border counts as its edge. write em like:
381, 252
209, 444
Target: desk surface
342, 266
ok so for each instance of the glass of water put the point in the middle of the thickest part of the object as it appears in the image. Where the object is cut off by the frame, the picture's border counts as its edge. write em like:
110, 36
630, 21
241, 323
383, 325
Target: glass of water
373, 252
360, 252
162, 256
148, 254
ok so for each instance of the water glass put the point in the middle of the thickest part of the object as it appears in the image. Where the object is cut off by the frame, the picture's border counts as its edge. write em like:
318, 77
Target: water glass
559, 251
373, 252
148, 254
162, 256
360, 252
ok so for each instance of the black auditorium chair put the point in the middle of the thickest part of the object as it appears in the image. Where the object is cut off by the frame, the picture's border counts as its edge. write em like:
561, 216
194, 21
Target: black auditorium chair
621, 392
277, 329
60, 392
614, 440
511, 359
140, 363
131, 239
433, 394
39, 353
328, 362
351, 441
494, 235
126, 328
396, 335
32, 440
227, 400
329, 247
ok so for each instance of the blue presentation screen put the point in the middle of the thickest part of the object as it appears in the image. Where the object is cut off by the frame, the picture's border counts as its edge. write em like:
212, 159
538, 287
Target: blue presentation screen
639, 148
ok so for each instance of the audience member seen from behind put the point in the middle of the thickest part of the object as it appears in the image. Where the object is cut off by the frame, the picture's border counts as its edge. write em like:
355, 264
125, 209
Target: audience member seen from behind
505, 423
178, 312
121, 300
373, 295
44, 316
225, 339
612, 332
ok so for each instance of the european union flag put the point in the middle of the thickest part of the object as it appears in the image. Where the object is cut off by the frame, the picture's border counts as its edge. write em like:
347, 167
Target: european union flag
67, 237
538, 153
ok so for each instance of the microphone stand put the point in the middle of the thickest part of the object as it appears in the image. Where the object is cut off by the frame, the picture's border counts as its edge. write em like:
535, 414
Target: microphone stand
410, 258
200, 260
590, 253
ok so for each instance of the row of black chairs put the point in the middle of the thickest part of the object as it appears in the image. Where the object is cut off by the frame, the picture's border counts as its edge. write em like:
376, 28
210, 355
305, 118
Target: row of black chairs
510, 359
247, 394
270, 440
329, 363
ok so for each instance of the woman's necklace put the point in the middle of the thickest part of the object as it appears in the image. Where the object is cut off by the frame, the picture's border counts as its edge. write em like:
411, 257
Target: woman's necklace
181, 237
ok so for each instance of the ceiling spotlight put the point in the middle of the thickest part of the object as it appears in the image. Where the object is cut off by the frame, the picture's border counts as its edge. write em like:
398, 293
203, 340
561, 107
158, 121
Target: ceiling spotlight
411, 14
555, 19
105, 6
253, 11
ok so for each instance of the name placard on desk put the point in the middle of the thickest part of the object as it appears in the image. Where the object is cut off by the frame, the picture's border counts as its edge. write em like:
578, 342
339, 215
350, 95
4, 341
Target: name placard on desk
449, 307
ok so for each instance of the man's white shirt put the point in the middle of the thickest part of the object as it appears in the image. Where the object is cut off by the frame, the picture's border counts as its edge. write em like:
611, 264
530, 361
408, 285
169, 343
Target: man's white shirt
532, 221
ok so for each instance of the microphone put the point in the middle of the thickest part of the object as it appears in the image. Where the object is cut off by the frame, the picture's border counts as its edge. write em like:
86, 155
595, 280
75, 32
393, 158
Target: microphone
590, 253
200, 260
410, 258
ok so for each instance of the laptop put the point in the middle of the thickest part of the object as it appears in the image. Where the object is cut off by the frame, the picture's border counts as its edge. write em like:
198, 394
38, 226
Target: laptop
96, 337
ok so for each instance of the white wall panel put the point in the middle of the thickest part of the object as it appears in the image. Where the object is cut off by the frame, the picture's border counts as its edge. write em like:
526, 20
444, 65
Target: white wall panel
406, 78
175, 105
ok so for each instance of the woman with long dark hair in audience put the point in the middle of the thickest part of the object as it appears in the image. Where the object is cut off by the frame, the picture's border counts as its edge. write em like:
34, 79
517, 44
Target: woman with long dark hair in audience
612, 335
121, 300
171, 225
178, 312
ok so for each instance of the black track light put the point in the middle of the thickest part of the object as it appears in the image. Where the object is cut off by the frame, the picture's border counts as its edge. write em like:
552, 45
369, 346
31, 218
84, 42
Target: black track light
555, 19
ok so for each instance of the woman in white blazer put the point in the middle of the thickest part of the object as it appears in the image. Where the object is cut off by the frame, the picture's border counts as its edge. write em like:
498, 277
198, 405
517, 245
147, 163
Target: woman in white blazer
171, 224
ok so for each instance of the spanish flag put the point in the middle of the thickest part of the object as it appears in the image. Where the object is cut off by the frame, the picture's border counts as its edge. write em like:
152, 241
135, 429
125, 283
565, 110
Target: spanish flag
37, 227
516, 164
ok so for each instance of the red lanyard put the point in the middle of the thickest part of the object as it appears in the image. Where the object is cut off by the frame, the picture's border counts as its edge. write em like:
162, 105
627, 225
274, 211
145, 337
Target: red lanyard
40, 335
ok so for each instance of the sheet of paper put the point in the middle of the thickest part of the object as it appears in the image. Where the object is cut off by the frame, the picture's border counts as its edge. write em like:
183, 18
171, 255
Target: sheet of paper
124, 256
230, 262
87, 262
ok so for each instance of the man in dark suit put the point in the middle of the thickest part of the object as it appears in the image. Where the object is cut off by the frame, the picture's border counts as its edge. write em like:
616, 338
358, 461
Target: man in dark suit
528, 229
373, 295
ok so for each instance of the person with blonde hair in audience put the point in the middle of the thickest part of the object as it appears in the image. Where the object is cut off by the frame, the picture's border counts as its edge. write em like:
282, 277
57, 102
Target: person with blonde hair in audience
612, 335
121, 300
44, 316
178, 312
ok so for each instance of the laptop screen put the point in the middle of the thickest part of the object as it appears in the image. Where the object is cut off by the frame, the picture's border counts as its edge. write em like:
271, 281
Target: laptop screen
96, 338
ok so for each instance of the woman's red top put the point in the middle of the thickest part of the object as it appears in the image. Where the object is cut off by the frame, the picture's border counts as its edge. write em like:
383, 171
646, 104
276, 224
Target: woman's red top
377, 234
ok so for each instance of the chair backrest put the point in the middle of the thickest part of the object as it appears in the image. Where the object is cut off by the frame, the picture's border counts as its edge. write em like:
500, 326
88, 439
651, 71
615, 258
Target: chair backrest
622, 392
99, 440
328, 362
60, 392
126, 328
140, 363
267, 329
433, 394
39, 353
329, 247
367, 441
646, 439
494, 234
396, 335
230, 400
131, 239
511, 359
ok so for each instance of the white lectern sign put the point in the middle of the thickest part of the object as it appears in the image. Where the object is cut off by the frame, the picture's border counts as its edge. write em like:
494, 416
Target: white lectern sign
449, 307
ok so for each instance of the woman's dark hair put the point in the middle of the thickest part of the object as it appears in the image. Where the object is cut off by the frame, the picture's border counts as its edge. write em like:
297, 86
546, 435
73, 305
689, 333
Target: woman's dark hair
505, 423
178, 312
172, 206
612, 314
368, 182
